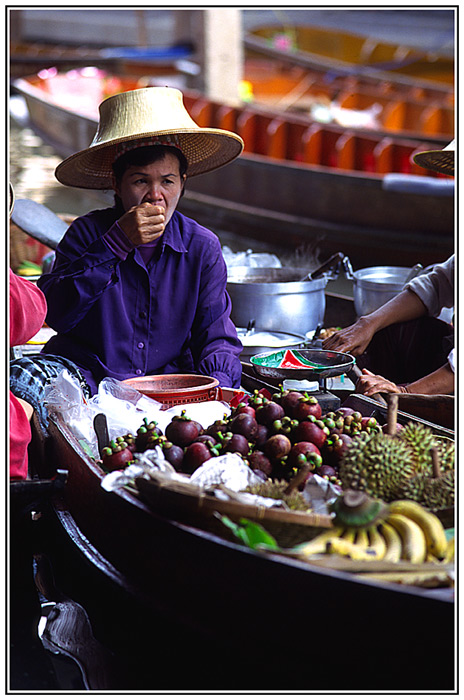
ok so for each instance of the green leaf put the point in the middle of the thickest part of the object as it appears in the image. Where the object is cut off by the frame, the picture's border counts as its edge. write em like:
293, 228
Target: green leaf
251, 534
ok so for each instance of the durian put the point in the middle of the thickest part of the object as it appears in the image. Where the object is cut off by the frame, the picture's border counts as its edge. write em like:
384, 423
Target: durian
377, 464
421, 440
275, 488
432, 493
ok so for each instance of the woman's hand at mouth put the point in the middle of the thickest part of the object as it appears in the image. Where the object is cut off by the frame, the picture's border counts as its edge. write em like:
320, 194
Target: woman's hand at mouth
143, 223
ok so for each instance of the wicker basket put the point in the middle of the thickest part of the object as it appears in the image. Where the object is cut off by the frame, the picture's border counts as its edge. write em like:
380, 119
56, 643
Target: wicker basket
177, 389
191, 505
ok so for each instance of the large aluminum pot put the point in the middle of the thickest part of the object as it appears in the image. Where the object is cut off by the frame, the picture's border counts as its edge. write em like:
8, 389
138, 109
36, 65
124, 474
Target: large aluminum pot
275, 299
373, 286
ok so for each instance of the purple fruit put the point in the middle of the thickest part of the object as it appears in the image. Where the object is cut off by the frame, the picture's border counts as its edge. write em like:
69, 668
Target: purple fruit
289, 400
303, 452
259, 461
243, 424
269, 412
307, 406
277, 446
235, 442
194, 456
182, 431
310, 431
173, 454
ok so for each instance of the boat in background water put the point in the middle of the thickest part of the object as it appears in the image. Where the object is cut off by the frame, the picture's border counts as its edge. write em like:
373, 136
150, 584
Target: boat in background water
348, 53
299, 183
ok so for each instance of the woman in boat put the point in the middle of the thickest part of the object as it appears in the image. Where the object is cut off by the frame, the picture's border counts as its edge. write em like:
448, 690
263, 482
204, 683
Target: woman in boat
138, 289
404, 339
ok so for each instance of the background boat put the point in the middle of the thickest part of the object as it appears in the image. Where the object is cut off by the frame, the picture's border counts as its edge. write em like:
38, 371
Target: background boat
351, 53
296, 184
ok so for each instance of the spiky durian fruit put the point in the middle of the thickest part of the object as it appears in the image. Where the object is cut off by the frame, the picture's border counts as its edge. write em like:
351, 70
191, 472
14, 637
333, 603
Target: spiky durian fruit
377, 464
421, 440
432, 493
275, 488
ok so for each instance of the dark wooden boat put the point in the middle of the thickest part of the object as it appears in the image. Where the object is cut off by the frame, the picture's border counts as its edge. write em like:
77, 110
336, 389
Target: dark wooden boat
31, 57
212, 597
349, 53
297, 183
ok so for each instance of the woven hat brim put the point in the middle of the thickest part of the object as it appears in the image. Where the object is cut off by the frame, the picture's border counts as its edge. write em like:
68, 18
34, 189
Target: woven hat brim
204, 149
437, 161
12, 199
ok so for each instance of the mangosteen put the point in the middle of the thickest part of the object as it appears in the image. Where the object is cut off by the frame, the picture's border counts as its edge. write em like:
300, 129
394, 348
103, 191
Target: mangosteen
195, 455
235, 442
182, 430
243, 424
173, 454
306, 450
259, 461
335, 447
277, 446
311, 431
261, 435
289, 400
307, 406
243, 408
268, 412
326, 470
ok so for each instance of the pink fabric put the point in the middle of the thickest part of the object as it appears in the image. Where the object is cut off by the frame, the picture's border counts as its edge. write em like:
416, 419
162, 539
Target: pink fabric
28, 309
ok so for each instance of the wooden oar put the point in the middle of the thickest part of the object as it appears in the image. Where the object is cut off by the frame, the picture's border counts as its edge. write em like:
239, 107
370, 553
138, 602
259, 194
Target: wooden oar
39, 222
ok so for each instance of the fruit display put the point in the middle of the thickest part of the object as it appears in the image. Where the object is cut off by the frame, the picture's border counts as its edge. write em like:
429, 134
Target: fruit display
388, 477
411, 464
285, 434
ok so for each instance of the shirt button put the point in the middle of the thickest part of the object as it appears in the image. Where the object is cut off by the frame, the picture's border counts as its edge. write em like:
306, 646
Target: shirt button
140, 345
143, 314
138, 371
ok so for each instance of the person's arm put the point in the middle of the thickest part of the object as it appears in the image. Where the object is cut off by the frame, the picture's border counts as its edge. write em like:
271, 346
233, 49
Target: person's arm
28, 308
439, 382
355, 339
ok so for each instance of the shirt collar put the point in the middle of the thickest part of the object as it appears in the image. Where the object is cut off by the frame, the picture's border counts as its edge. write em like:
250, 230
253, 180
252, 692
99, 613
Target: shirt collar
172, 235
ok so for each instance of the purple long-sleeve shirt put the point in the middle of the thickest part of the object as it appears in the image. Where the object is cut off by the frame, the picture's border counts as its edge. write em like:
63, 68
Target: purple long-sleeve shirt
117, 316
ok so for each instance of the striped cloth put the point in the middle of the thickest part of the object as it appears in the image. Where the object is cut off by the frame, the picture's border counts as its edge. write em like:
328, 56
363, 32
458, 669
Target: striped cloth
30, 374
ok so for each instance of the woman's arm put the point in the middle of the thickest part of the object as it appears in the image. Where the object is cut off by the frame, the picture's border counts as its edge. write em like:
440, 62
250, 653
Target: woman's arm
85, 267
355, 339
439, 382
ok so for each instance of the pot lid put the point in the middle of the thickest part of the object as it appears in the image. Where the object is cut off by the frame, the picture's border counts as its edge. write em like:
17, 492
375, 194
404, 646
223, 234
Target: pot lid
269, 339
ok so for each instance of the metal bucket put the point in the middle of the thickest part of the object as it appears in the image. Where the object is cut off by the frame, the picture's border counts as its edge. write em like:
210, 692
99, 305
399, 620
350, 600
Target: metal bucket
275, 299
373, 286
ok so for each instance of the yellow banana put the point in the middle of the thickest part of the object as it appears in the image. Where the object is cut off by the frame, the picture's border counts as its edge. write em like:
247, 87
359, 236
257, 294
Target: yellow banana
317, 545
362, 539
341, 546
349, 534
413, 544
449, 555
392, 542
376, 542
430, 524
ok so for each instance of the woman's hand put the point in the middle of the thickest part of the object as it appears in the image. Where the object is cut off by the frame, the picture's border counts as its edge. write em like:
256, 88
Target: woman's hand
143, 223
369, 384
353, 339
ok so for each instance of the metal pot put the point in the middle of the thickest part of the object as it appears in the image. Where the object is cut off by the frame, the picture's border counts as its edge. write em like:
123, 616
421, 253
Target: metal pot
257, 341
373, 286
276, 299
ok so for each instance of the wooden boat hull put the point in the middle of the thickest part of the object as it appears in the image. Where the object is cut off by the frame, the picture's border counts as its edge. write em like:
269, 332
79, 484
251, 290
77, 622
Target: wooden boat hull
229, 597
286, 203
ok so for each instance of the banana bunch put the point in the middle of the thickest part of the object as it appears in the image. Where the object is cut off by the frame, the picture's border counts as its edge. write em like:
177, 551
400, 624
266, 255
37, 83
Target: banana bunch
28, 269
405, 531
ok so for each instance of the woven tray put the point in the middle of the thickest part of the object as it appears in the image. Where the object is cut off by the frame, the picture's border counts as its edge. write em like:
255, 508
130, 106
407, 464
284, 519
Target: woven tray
191, 505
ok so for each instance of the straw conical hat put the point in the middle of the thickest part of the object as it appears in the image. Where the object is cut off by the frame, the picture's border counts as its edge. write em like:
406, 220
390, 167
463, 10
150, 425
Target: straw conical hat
441, 161
12, 198
148, 115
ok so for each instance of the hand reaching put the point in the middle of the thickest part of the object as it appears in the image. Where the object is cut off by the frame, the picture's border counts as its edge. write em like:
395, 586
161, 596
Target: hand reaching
353, 339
